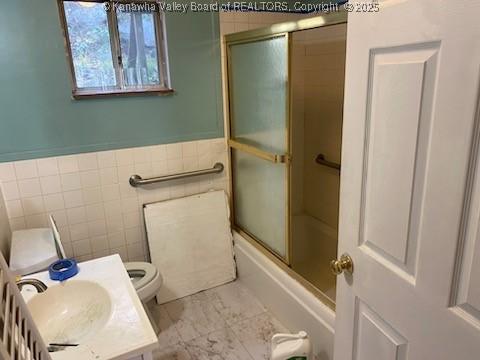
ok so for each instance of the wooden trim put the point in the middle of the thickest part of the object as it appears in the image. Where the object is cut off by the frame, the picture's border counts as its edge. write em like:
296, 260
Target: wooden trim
66, 42
162, 49
120, 89
115, 48
92, 94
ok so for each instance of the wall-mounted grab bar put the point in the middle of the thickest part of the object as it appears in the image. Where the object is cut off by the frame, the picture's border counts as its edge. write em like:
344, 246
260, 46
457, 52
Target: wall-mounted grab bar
320, 159
136, 180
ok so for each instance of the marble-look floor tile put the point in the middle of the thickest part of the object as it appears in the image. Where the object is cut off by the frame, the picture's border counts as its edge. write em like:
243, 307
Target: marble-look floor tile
218, 345
175, 352
194, 316
168, 335
234, 302
256, 333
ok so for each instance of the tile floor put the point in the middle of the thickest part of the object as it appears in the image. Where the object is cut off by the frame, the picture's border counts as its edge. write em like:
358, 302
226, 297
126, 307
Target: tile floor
223, 323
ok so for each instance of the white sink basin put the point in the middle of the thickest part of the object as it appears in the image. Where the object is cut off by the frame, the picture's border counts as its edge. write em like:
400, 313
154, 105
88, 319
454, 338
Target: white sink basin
98, 309
71, 312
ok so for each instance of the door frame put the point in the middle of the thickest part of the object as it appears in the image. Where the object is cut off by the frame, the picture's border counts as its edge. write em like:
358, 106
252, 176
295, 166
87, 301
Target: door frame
276, 30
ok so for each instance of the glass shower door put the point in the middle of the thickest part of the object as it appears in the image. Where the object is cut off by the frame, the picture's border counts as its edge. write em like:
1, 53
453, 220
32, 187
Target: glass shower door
259, 141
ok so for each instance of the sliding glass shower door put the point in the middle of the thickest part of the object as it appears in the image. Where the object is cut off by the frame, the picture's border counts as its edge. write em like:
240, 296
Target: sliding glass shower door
258, 139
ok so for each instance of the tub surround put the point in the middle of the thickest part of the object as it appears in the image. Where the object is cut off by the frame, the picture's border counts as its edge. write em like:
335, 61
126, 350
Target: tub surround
293, 305
290, 302
318, 67
96, 210
128, 333
315, 249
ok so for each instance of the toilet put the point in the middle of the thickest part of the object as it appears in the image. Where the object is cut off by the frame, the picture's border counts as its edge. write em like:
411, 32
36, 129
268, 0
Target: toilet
146, 279
33, 250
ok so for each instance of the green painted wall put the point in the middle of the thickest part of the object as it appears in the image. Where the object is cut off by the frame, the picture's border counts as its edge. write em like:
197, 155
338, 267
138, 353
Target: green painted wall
38, 117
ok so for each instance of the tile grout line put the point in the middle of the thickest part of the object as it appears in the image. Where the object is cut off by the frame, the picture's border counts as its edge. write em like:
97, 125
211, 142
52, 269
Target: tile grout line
185, 343
228, 326
241, 343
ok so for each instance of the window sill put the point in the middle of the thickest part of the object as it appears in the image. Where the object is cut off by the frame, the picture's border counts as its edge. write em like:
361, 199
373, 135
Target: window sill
94, 94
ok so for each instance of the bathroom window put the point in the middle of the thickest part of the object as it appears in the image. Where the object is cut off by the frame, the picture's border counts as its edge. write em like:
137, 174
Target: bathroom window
115, 47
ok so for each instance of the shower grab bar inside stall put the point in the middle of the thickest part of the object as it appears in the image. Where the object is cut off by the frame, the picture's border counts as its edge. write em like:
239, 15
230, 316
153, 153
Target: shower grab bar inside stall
137, 180
321, 160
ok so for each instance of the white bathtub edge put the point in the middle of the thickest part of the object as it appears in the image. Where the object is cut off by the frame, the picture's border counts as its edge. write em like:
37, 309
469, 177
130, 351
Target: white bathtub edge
288, 300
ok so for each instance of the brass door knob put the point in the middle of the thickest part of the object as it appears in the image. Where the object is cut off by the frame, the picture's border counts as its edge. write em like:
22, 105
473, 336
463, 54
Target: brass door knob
345, 263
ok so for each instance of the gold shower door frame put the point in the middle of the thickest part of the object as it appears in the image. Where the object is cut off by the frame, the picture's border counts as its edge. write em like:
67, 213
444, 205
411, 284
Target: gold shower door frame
274, 31
283, 158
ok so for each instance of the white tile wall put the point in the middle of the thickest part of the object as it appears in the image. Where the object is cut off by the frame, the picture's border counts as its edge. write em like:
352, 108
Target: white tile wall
96, 209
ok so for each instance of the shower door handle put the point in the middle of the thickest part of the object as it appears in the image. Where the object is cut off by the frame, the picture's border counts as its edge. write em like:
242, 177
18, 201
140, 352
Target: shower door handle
345, 263
262, 154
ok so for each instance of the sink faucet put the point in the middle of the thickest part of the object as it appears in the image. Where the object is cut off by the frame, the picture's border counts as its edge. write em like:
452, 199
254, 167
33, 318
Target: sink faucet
39, 285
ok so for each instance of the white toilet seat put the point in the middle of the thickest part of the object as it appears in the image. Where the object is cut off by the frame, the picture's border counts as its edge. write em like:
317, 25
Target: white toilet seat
147, 280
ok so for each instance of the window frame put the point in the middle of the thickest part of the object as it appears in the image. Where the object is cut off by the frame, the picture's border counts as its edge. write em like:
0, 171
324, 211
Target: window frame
164, 88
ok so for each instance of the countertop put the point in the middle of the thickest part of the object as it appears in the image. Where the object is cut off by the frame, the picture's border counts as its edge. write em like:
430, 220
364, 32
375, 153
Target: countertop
127, 333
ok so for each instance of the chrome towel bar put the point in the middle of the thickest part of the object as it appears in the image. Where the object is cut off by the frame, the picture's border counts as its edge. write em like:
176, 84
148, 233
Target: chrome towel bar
320, 159
137, 180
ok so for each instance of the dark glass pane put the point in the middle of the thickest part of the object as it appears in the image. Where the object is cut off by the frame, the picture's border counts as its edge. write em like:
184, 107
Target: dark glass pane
90, 43
139, 47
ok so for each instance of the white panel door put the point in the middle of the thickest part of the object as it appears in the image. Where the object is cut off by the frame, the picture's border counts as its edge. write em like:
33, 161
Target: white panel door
410, 187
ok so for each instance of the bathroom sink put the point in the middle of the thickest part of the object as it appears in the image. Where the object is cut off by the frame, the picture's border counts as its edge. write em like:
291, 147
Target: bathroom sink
71, 312
98, 309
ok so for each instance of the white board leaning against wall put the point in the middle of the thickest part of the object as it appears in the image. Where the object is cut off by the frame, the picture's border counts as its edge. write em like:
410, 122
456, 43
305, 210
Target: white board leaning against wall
191, 244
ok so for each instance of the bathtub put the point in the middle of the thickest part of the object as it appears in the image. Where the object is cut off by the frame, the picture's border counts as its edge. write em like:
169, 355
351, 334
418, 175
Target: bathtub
317, 238
296, 307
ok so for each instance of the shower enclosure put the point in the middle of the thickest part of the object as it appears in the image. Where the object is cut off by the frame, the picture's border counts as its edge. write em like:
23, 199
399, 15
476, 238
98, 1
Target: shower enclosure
285, 97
